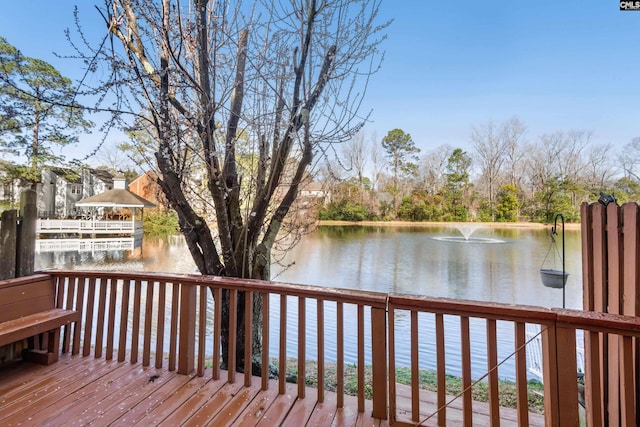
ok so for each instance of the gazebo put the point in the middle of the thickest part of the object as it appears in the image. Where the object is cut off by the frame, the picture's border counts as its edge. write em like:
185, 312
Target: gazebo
114, 212
117, 205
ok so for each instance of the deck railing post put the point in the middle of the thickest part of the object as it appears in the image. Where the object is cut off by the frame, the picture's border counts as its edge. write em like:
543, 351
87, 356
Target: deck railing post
379, 362
560, 376
187, 340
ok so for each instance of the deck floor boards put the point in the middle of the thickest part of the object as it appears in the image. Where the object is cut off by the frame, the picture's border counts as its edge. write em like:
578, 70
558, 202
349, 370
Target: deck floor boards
81, 391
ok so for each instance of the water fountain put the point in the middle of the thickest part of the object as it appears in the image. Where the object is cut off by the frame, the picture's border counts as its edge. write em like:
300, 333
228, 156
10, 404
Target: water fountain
466, 232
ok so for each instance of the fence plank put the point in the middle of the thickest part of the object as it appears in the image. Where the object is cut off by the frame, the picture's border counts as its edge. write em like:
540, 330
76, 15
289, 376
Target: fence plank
612, 291
186, 341
233, 334
492, 368
627, 389
340, 355
135, 323
282, 354
360, 358
630, 294
320, 329
217, 328
521, 374
248, 337
111, 318
599, 286
467, 401
80, 309
567, 381
202, 328
173, 335
379, 362
124, 319
391, 318
593, 393
71, 288
162, 312
148, 318
102, 303
550, 375
265, 341
415, 374
441, 370
586, 234
88, 321
302, 347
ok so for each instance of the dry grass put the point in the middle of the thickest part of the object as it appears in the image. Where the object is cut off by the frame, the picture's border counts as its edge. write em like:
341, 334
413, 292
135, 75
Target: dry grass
507, 389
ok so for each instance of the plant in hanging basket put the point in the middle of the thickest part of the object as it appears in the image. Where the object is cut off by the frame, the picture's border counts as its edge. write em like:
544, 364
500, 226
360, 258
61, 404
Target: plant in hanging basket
553, 278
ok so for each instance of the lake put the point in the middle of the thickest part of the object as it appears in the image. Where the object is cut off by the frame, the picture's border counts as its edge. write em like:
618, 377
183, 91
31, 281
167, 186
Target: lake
495, 264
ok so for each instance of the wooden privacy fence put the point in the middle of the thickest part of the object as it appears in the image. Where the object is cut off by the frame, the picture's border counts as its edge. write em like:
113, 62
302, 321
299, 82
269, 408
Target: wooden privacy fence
611, 280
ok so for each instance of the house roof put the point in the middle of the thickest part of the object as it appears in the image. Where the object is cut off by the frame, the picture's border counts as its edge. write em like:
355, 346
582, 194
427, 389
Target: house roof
103, 175
116, 198
67, 174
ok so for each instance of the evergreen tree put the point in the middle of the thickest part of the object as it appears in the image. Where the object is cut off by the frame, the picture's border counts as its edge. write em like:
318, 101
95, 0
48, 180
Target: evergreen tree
508, 204
38, 112
401, 152
457, 173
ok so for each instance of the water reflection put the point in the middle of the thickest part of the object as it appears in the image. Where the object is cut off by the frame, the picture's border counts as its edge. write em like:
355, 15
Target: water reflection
412, 260
409, 260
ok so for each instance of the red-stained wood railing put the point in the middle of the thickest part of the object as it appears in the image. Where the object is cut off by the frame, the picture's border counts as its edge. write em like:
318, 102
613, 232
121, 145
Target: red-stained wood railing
179, 324
559, 329
136, 309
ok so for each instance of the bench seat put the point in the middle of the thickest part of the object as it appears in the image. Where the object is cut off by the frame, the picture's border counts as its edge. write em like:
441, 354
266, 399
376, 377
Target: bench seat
34, 324
28, 311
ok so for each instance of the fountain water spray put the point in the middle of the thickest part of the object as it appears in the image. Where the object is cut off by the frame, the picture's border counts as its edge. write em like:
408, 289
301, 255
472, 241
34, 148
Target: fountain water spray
467, 231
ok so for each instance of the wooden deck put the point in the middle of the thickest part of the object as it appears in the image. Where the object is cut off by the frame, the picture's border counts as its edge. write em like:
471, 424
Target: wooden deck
173, 323
88, 391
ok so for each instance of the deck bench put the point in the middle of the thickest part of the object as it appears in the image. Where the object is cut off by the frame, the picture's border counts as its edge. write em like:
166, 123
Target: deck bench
28, 311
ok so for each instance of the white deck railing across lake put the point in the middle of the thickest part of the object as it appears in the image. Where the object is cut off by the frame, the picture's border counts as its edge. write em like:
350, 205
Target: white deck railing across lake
81, 226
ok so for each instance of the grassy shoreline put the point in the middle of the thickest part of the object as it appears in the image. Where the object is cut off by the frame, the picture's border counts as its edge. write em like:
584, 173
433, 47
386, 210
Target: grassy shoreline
427, 381
568, 226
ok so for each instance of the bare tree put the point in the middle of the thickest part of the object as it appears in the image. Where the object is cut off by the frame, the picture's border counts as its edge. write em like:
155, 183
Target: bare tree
571, 160
239, 97
630, 159
433, 168
115, 159
559, 155
354, 153
513, 131
378, 162
491, 149
600, 168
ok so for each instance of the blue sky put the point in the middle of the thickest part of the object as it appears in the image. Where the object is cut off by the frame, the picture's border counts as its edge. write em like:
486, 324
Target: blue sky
557, 65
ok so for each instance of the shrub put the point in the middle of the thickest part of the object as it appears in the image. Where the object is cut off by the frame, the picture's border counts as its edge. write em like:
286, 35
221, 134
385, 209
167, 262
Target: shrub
160, 223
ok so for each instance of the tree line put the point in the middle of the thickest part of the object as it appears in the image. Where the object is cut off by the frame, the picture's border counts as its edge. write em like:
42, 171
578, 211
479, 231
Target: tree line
507, 175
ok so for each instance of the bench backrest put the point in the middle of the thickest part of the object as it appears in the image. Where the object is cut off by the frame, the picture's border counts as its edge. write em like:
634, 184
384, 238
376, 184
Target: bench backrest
26, 295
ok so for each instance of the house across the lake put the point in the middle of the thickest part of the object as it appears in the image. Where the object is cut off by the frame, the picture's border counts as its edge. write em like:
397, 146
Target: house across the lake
116, 211
59, 190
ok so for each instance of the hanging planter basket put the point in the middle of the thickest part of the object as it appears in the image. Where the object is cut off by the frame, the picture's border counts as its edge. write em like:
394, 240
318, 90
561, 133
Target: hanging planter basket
553, 278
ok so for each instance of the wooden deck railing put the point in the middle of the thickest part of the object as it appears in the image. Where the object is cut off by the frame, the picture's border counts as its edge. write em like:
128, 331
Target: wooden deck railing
179, 326
175, 321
